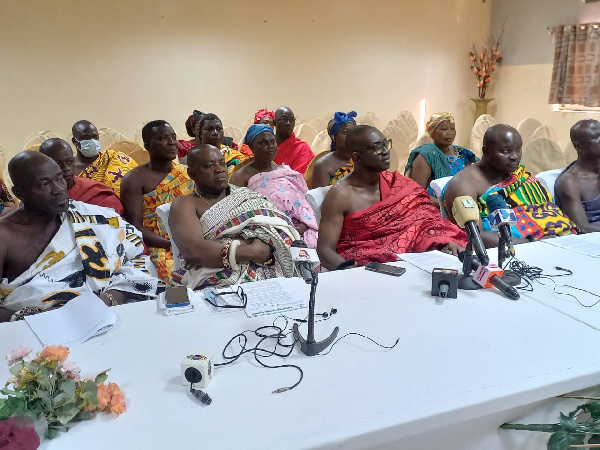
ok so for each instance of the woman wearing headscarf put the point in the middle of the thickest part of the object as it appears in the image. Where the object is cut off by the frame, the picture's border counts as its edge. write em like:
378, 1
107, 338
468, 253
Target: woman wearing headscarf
184, 146
337, 164
263, 116
441, 158
284, 187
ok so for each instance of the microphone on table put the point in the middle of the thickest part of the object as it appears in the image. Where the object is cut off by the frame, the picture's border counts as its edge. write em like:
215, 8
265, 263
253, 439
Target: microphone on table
444, 283
466, 214
501, 217
304, 258
491, 275
193, 375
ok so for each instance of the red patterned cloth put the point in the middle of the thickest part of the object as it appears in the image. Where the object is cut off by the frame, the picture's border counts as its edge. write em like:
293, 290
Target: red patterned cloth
295, 153
404, 221
95, 193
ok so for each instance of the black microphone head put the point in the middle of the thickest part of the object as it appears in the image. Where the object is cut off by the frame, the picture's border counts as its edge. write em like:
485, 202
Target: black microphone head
299, 244
193, 375
495, 202
461, 256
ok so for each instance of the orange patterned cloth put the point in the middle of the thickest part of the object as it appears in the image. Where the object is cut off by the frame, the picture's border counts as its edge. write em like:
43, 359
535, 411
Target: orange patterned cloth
176, 183
109, 169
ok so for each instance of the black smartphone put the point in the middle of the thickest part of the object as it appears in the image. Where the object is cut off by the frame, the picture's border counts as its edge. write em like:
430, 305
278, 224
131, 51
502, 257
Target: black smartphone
385, 268
176, 296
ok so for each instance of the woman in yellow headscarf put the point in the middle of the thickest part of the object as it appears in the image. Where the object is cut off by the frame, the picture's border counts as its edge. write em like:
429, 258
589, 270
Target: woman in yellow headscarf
441, 158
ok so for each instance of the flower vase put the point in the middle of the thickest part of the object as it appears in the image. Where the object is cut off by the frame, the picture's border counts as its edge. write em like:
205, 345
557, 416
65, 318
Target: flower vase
481, 105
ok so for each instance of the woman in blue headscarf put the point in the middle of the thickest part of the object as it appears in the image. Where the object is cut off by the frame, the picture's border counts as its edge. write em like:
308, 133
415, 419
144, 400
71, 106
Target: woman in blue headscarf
337, 164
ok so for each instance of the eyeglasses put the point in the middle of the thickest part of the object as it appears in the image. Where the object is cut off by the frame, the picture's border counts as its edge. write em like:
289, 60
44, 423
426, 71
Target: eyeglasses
226, 299
379, 146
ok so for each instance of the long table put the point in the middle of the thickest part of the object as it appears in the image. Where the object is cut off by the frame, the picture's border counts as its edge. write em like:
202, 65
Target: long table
461, 368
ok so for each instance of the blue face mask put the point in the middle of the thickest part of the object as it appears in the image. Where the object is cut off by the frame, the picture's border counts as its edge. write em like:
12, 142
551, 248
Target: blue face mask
89, 147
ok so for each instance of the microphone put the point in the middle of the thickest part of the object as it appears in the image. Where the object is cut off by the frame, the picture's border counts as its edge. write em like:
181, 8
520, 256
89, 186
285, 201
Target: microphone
501, 217
466, 214
488, 276
303, 258
194, 376
444, 283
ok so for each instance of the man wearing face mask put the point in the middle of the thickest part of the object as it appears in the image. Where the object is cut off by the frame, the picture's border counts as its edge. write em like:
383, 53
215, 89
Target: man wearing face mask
107, 166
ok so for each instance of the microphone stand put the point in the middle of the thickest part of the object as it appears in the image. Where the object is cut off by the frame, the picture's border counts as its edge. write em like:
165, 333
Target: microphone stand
502, 250
309, 346
465, 280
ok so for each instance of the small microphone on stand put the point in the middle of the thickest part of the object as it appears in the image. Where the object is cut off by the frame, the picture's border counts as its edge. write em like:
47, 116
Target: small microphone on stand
193, 375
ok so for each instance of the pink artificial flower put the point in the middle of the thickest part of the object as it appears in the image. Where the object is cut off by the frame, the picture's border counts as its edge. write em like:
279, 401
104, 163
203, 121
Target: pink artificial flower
70, 370
17, 354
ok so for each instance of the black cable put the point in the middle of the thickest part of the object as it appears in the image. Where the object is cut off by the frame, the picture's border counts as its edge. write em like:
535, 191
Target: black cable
389, 347
531, 273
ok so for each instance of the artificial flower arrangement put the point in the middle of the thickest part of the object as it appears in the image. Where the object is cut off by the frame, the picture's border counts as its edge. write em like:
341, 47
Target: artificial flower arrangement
49, 388
483, 64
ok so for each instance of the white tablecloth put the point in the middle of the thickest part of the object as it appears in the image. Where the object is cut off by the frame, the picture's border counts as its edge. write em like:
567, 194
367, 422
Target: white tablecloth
461, 369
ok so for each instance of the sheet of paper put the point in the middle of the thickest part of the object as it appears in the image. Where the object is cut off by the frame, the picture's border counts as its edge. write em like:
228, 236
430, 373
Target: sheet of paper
428, 261
80, 319
575, 243
276, 295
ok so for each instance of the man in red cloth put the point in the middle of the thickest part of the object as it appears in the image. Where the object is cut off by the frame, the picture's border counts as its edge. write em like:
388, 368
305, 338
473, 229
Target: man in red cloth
290, 150
372, 214
82, 189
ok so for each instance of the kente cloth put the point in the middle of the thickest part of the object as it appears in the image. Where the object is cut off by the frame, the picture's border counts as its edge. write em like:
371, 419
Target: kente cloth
249, 215
184, 147
109, 168
95, 193
176, 183
436, 119
5, 196
339, 119
295, 153
592, 209
287, 190
232, 157
346, 169
441, 165
93, 250
537, 214
254, 130
404, 221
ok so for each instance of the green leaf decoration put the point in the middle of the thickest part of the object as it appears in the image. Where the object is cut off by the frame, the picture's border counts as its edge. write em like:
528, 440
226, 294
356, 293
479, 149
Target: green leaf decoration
51, 433
66, 414
561, 440
568, 423
64, 398
83, 415
67, 386
14, 370
593, 408
45, 399
101, 378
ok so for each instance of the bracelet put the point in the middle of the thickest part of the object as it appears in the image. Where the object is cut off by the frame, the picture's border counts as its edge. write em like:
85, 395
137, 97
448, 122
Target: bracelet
271, 260
225, 253
231, 254
111, 298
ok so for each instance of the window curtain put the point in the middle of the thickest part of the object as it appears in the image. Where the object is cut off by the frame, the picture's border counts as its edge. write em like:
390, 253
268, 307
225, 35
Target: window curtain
576, 70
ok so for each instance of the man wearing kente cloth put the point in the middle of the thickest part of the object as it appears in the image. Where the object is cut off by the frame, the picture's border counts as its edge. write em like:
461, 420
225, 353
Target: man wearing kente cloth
54, 249
107, 166
80, 189
228, 234
291, 151
335, 165
499, 172
577, 189
372, 214
150, 185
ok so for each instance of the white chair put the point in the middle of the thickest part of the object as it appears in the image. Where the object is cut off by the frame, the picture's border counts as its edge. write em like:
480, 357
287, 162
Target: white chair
438, 186
526, 128
544, 132
570, 153
306, 132
163, 212
321, 143
423, 139
481, 125
548, 178
542, 154
108, 136
315, 198
401, 142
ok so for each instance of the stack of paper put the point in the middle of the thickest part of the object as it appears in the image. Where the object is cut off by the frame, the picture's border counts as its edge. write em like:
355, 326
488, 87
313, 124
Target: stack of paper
80, 319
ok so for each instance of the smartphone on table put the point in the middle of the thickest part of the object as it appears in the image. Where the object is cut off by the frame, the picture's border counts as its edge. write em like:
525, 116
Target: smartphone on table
176, 296
385, 268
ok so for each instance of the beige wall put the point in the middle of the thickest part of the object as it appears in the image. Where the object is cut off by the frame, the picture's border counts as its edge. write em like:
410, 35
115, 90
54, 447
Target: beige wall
122, 63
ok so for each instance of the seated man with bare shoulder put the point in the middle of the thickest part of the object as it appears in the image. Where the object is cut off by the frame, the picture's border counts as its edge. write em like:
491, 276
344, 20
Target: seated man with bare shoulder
577, 189
372, 214
229, 234
499, 173
54, 249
